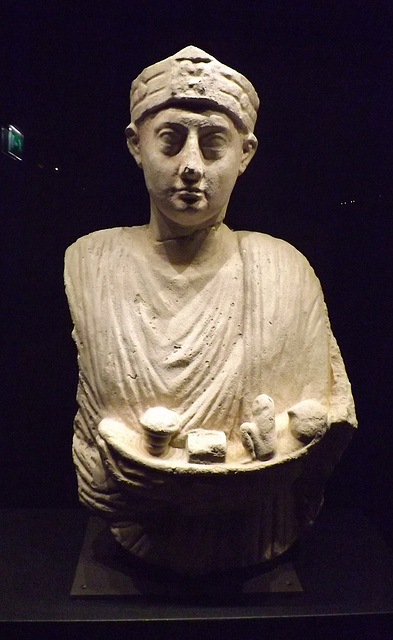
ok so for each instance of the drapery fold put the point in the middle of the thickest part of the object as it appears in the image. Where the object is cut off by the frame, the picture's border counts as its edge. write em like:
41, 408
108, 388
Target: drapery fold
246, 316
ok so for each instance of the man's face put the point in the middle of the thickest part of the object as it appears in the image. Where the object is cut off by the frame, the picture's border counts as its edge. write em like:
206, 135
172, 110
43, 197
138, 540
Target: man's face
190, 161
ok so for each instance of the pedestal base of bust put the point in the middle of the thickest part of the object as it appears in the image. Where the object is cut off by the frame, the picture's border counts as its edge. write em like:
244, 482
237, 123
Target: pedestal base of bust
105, 569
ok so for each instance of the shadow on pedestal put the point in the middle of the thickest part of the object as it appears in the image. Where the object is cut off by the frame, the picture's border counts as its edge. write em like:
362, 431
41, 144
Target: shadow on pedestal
105, 569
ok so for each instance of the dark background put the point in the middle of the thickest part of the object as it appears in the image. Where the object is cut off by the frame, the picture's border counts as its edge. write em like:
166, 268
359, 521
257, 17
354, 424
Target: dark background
321, 180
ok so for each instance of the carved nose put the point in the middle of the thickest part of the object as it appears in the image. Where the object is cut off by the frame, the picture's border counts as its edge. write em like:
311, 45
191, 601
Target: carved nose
191, 174
191, 169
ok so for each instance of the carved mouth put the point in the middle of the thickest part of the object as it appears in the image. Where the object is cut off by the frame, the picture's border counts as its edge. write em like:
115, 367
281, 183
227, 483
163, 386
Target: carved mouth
190, 196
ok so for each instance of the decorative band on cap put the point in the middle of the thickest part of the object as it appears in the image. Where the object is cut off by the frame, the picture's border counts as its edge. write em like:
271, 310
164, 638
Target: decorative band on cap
192, 75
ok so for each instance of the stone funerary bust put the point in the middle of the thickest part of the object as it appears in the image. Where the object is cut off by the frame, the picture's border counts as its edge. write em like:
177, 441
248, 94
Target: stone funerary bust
213, 400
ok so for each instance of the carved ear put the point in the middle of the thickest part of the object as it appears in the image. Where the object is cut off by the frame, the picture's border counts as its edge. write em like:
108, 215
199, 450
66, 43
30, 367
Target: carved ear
132, 136
250, 144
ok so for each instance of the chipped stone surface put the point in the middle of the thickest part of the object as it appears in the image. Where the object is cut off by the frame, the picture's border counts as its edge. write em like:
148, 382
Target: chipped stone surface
190, 335
205, 446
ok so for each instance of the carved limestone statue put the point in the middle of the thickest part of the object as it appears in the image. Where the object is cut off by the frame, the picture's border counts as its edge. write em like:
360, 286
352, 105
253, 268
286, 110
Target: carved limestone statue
213, 400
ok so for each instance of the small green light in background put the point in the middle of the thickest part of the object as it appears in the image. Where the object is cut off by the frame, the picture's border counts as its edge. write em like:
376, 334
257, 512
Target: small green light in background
12, 142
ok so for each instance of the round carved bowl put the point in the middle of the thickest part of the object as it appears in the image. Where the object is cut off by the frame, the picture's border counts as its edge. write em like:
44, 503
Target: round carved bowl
197, 518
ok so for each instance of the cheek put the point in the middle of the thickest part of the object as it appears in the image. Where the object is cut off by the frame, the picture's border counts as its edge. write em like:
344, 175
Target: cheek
218, 175
156, 178
227, 179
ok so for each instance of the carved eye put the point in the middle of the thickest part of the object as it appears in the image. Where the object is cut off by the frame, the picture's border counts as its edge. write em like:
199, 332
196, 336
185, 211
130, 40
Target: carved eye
171, 141
213, 145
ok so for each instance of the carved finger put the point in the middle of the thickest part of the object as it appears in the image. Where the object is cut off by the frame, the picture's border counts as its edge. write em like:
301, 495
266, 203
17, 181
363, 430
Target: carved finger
263, 412
247, 434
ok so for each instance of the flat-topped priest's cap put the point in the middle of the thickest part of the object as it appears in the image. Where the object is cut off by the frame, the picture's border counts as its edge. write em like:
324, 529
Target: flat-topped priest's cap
194, 76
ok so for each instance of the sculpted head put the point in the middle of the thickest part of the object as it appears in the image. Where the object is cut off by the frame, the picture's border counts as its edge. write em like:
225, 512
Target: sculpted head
191, 132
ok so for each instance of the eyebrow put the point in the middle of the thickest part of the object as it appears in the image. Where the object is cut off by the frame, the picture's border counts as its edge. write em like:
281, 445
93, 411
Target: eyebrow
219, 128
170, 125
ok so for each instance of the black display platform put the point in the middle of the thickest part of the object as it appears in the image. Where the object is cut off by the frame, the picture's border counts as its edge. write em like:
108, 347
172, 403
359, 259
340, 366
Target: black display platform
344, 566
104, 569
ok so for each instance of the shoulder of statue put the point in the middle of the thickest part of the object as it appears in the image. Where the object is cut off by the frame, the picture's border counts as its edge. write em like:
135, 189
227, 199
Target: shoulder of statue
275, 261
256, 241
94, 239
262, 249
102, 241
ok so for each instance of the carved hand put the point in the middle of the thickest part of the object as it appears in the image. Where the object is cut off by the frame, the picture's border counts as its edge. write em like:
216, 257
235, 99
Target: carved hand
259, 436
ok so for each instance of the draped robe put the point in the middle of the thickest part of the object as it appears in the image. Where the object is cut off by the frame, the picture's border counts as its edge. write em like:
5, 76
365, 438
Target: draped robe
202, 337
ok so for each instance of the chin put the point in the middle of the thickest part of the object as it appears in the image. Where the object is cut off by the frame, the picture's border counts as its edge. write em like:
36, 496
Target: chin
192, 223
189, 216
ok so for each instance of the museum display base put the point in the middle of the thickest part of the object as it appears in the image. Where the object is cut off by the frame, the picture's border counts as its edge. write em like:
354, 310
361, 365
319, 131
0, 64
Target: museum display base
343, 565
104, 569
